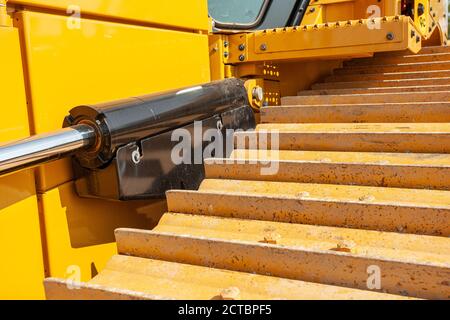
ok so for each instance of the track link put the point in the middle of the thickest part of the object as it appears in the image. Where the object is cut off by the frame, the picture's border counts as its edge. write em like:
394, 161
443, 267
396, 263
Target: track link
362, 186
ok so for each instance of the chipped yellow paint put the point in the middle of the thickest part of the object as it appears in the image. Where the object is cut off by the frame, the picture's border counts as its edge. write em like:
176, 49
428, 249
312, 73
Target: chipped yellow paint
310, 206
430, 171
434, 96
382, 83
361, 137
396, 89
425, 280
154, 279
390, 76
345, 113
399, 67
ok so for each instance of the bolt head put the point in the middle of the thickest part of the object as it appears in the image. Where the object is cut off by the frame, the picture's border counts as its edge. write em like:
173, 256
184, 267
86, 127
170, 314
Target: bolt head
258, 93
390, 36
241, 47
241, 57
263, 47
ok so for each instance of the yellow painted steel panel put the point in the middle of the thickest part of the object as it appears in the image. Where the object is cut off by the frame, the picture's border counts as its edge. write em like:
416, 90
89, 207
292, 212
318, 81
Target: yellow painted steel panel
341, 39
187, 14
99, 62
80, 232
14, 119
21, 261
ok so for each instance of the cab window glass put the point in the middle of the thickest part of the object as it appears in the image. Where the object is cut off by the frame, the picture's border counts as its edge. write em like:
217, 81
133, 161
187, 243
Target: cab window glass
235, 11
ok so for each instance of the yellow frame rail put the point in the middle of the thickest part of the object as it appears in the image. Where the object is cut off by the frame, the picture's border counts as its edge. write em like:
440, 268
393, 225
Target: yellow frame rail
328, 40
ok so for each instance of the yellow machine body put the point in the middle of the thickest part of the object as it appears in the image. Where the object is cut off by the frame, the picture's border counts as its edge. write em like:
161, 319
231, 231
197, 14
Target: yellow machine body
52, 61
56, 54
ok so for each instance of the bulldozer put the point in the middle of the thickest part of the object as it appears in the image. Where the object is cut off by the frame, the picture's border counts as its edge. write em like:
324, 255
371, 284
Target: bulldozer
231, 150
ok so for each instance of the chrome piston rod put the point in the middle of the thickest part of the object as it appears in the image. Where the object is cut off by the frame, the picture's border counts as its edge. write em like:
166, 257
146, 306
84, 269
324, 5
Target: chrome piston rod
42, 148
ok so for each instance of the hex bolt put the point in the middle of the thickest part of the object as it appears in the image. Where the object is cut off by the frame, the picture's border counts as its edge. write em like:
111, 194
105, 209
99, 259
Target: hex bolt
241, 47
258, 94
263, 47
241, 57
390, 36
225, 44
226, 54
312, 9
421, 9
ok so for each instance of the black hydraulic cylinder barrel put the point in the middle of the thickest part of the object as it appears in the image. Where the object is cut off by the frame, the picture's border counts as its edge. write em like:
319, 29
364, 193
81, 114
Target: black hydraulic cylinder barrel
130, 120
